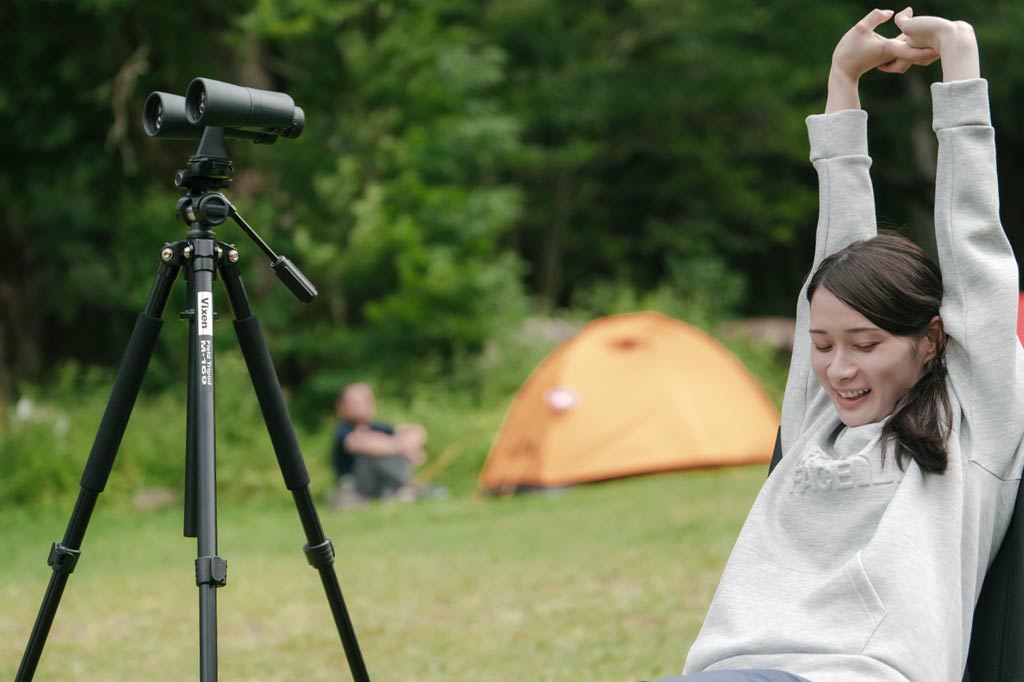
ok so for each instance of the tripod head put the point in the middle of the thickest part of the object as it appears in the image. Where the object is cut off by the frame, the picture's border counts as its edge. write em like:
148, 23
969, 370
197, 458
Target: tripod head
215, 111
210, 167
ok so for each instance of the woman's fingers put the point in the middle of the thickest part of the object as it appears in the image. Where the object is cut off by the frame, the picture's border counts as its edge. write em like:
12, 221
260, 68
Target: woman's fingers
903, 15
903, 55
925, 31
902, 49
874, 19
906, 21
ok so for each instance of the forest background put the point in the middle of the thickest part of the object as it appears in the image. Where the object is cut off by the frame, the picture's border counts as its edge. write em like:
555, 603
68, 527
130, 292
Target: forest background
473, 177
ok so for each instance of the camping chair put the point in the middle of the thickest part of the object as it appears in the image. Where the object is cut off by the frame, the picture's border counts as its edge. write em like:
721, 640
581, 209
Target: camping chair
997, 640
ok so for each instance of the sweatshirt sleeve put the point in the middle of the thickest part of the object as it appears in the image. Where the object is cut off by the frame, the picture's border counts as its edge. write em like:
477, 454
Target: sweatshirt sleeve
846, 213
979, 276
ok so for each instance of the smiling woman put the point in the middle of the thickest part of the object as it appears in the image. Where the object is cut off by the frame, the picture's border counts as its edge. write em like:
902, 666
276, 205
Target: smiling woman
852, 565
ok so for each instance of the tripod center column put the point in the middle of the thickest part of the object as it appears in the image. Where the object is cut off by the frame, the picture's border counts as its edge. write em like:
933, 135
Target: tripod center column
211, 570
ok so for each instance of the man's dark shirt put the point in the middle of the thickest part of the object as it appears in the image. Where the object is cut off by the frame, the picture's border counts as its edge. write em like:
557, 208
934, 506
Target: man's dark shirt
344, 460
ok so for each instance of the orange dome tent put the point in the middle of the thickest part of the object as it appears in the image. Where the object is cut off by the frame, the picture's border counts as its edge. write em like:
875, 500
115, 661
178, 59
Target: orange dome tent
631, 394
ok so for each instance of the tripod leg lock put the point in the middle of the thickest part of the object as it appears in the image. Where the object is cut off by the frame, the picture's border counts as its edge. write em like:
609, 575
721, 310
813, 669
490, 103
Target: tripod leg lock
63, 559
211, 570
320, 556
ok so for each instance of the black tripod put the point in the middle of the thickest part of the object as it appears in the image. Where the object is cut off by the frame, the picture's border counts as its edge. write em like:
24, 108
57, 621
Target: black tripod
202, 257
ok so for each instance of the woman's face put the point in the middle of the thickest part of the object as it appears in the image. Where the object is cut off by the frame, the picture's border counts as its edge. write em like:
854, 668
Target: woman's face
864, 369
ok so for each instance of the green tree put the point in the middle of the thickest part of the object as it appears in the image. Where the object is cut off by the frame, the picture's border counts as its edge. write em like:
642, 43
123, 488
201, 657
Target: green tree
456, 153
84, 212
400, 201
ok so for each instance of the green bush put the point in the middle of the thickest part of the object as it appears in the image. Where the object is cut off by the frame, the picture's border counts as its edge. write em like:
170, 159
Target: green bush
47, 437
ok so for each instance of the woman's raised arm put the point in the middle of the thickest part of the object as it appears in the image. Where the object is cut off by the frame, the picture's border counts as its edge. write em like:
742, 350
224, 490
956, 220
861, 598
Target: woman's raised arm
979, 273
846, 209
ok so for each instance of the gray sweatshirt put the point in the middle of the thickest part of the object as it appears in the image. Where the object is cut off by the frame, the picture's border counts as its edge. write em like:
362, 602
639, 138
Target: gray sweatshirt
847, 568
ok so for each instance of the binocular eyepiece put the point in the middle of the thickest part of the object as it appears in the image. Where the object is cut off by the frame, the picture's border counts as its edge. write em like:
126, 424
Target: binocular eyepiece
244, 113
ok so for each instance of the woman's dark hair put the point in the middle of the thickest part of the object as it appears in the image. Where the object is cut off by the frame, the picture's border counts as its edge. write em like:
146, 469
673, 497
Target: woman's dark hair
892, 282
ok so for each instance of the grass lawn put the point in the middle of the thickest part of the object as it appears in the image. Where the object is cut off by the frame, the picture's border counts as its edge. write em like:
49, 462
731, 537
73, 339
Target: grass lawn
602, 582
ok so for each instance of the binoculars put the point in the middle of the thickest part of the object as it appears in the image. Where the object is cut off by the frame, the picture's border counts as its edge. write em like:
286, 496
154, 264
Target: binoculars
244, 113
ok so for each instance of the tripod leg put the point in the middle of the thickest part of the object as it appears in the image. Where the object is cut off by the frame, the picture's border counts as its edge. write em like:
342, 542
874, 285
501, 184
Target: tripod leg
64, 555
191, 483
319, 550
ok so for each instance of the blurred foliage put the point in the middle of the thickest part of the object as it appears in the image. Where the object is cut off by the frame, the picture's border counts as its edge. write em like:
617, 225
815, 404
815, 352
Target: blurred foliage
46, 436
465, 165
45, 439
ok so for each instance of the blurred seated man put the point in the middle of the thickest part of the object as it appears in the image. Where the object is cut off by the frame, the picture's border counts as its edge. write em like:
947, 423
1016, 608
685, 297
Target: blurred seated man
373, 460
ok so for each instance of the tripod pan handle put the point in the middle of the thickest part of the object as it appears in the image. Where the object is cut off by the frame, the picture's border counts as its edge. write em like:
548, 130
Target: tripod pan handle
293, 279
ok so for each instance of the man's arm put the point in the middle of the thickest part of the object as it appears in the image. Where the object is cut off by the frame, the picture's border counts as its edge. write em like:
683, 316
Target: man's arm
405, 441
